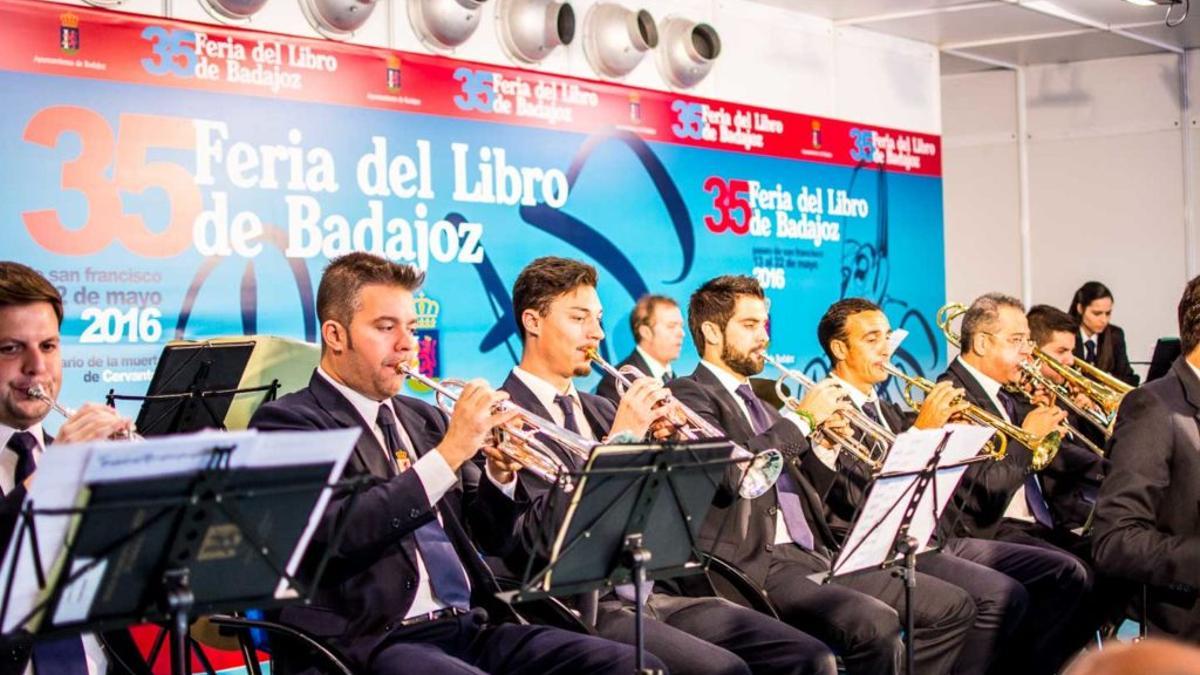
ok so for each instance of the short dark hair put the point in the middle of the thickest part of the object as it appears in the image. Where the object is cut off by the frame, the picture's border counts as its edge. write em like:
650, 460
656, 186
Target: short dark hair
715, 301
1045, 321
1189, 316
23, 285
1086, 295
982, 315
644, 310
833, 324
344, 277
545, 279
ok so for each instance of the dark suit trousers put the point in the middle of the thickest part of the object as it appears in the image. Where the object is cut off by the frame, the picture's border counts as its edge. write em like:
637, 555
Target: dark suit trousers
468, 645
859, 614
1000, 605
711, 636
1057, 583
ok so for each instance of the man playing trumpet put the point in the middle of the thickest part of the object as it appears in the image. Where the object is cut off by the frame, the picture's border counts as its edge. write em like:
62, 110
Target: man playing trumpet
405, 590
558, 316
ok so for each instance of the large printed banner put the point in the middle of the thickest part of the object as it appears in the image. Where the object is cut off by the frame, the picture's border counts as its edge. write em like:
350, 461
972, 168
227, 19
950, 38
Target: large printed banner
185, 181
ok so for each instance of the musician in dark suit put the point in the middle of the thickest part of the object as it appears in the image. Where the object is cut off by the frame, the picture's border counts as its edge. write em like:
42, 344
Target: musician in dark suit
405, 590
782, 537
558, 319
31, 313
1070, 482
1005, 500
1007, 578
1101, 343
1147, 522
657, 327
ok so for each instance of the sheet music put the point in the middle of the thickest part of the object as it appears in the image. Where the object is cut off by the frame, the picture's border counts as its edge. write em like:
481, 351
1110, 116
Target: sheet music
869, 543
66, 468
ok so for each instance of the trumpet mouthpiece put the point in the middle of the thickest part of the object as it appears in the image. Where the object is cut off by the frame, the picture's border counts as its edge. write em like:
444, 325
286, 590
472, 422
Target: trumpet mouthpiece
592, 354
36, 391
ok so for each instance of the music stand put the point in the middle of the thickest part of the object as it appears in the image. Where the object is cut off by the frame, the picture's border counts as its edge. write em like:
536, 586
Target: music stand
916, 481
160, 547
633, 515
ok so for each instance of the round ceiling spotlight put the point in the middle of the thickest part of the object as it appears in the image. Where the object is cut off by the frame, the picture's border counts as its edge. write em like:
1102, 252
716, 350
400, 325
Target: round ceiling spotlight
337, 19
615, 39
444, 24
232, 11
531, 29
688, 51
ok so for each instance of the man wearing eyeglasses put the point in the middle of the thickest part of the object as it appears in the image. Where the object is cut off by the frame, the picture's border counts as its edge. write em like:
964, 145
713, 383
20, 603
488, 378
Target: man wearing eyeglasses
1003, 500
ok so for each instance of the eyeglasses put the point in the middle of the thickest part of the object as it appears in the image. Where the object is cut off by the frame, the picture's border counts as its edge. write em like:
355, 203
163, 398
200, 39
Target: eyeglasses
1017, 341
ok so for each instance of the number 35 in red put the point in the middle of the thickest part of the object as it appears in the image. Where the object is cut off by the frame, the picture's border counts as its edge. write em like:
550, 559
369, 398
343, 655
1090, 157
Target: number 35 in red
728, 197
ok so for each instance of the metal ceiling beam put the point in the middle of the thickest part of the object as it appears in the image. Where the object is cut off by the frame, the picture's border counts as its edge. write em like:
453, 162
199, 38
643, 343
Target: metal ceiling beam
917, 13
1047, 8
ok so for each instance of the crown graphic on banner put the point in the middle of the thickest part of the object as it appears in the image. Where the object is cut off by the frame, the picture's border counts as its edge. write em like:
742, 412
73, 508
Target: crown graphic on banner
69, 20
427, 311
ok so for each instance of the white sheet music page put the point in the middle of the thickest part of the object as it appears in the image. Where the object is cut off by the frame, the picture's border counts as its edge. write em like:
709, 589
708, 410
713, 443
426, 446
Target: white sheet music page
66, 468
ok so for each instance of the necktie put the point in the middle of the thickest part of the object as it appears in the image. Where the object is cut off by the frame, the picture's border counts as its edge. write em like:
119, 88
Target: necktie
668, 376
1037, 501
1009, 405
60, 656
788, 493
871, 410
446, 575
24, 444
1089, 351
565, 403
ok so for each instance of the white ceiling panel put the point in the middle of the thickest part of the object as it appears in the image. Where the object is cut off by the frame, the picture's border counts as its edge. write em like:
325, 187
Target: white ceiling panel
1094, 45
986, 23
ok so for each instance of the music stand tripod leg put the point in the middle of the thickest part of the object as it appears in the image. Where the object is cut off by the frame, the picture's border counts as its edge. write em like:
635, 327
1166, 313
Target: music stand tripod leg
178, 599
907, 547
636, 558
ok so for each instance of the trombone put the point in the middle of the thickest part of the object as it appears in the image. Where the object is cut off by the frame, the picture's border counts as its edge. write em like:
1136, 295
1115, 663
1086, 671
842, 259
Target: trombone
1063, 393
1043, 448
872, 450
765, 467
36, 391
519, 439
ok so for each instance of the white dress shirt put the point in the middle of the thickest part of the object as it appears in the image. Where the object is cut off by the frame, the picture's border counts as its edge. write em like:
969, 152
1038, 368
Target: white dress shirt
1018, 506
657, 370
545, 393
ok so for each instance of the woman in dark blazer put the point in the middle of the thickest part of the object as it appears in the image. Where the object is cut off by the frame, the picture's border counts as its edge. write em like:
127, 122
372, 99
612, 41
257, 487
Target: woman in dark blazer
1092, 308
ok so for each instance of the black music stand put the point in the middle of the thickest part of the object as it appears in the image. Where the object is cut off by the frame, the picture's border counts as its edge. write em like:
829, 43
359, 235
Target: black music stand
193, 387
634, 514
162, 548
880, 522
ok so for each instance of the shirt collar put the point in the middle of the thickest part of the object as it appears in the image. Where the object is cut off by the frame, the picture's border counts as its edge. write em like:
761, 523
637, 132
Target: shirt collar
367, 408
989, 385
543, 390
657, 370
6, 432
1084, 337
1195, 370
726, 378
857, 397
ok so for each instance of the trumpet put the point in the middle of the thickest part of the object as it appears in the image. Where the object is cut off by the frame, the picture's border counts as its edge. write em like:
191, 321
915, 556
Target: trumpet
1104, 389
36, 391
1045, 448
872, 451
1035, 377
765, 467
518, 440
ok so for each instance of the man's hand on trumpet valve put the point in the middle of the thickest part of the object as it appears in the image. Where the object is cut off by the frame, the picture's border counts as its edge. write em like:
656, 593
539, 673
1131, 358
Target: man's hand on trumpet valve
640, 407
501, 467
834, 424
942, 403
475, 416
93, 422
823, 400
1044, 420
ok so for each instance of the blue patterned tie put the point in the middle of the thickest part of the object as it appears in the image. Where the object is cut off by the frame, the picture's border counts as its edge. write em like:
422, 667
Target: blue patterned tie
788, 493
446, 575
1034, 498
60, 656
570, 422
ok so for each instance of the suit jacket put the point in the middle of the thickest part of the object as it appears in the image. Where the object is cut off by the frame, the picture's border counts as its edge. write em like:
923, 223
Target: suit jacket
742, 531
1148, 516
608, 387
983, 495
539, 513
14, 649
371, 580
1111, 356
